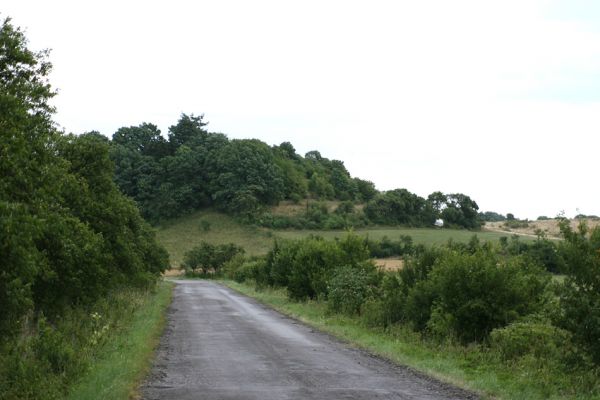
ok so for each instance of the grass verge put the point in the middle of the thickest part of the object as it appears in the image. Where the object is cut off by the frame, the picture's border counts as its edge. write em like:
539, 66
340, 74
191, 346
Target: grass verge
474, 368
126, 359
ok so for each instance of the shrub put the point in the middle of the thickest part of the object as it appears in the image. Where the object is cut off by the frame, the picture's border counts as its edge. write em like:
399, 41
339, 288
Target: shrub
476, 293
209, 258
580, 293
312, 265
204, 225
348, 289
539, 339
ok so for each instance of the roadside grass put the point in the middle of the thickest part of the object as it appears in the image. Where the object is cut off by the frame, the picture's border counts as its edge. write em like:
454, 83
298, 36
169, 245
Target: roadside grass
184, 233
475, 368
126, 358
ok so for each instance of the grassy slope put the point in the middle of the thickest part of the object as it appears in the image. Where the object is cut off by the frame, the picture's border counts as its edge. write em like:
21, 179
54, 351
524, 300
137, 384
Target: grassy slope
182, 234
127, 358
471, 368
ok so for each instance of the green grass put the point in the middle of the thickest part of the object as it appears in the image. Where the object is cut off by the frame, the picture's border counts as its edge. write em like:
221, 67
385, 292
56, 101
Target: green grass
474, 368
419, 235
127, 357
182, 234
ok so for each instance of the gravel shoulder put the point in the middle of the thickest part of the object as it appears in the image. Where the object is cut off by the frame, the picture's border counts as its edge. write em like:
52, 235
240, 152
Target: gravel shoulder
219, 344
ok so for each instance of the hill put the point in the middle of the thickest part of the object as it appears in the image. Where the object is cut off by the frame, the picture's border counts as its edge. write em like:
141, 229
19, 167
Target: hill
195, 169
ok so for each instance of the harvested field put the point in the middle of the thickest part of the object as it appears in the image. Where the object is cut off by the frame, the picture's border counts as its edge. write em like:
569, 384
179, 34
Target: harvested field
550, 227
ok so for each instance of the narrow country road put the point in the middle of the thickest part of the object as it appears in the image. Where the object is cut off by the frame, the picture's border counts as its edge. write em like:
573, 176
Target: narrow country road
219, 344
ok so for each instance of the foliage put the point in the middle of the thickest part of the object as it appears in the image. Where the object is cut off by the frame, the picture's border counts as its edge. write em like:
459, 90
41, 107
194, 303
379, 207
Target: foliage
516, 224
67, 235
476, 293
47, 360
490, 216
399, 207
349, 287
209, 258
580, 292
538, 339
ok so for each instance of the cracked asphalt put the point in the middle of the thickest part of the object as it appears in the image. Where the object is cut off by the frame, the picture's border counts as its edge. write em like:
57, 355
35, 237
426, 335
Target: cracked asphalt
219, 344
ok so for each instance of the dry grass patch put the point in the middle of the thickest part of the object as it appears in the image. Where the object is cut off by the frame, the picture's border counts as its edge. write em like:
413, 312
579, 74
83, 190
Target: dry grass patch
389, 264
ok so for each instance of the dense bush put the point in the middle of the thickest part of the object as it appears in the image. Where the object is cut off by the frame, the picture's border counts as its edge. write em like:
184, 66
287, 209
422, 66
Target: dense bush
316, 216
349, 287
538, 339
52, 355
580, 293
542, 251
385, 247
476, 293
208, 258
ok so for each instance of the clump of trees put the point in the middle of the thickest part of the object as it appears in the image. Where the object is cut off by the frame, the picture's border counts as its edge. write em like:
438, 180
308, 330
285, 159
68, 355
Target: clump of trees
195, 168
208, 259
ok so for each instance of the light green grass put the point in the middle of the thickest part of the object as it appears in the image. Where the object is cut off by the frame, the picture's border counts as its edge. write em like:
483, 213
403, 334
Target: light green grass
472, 368
419, 235
182, 234
127, 358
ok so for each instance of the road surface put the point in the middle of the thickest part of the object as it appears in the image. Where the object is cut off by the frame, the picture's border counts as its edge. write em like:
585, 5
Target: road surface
219, 344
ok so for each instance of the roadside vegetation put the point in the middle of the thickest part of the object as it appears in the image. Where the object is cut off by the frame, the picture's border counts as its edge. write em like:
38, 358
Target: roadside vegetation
77, 259
485, 315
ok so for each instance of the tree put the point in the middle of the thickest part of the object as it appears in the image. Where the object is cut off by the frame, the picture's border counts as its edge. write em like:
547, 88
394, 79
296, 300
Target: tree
461, 211
27, 167
144, 139
67, 234
188, 129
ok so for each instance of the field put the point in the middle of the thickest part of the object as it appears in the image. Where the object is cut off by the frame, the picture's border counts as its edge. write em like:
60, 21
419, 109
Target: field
549, 227
182, 234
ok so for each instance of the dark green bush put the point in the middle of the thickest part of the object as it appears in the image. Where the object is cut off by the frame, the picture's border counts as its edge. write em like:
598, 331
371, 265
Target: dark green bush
580, 293
476, 293
349, 287
208, 258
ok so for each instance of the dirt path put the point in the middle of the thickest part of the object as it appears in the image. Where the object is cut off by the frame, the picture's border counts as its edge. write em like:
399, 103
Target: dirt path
222, 345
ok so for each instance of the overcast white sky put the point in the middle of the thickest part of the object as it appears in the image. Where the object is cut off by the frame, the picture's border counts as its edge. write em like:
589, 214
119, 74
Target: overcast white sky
499, 100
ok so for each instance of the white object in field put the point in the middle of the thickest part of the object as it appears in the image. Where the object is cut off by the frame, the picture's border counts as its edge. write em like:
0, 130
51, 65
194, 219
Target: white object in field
439, 223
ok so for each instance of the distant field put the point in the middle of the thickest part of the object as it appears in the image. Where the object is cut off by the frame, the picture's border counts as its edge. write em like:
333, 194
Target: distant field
182, 234
550, 227
419, 235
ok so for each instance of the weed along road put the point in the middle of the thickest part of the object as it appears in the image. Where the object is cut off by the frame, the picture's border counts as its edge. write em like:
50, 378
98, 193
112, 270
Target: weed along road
219, 344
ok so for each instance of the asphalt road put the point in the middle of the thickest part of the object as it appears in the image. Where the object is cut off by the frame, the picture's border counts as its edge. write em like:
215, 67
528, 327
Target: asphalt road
221, 345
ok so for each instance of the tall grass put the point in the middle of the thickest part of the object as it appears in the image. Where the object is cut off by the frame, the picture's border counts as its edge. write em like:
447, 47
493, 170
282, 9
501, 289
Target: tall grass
97, 352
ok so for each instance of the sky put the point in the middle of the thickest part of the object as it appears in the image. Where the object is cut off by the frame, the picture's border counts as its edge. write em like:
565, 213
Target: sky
498, 100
